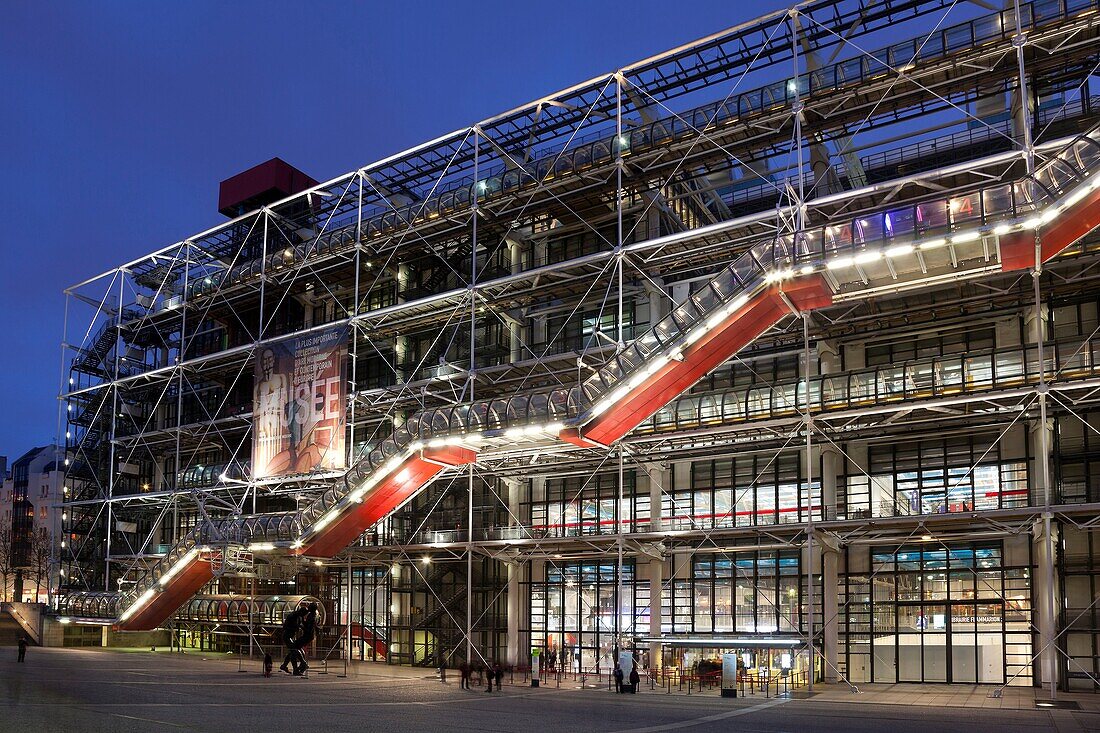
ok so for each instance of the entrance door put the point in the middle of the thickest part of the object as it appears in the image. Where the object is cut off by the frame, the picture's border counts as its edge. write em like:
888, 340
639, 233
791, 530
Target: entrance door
977, 642
922, 643
964, 643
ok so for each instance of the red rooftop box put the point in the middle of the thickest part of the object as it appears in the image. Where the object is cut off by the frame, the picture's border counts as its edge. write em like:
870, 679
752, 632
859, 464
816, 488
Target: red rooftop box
260, 185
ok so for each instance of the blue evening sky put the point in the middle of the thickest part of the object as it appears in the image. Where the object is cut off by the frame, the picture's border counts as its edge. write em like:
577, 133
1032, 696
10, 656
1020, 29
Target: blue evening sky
120, 118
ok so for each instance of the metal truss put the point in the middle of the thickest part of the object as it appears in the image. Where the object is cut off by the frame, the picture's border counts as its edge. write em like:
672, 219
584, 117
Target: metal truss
525, 252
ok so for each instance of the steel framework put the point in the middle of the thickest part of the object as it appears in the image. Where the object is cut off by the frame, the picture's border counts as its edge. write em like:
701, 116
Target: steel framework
695, 257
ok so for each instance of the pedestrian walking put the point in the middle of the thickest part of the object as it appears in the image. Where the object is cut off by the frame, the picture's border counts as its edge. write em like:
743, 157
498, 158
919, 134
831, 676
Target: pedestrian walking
443, 667
291, 624
618, 678
464, 673
22, 648
489, 675
498, 674
268, 664
309, 631
635, 678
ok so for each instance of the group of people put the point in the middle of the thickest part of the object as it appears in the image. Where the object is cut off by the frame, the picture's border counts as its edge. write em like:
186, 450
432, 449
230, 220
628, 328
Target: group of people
630, 683
299, 630
492, 673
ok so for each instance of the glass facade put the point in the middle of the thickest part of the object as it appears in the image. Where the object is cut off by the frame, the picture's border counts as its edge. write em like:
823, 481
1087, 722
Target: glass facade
1079, 561
742, 491
370, 610
936, 477
935, 613
746, 593
573, 612
588, 505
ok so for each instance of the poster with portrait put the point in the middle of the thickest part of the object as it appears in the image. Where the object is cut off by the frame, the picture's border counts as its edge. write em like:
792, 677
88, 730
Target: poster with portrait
298, 404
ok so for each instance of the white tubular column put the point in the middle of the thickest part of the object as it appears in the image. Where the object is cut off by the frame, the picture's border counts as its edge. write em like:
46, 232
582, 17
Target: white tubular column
516, 654
1044, 532
515, 611
828, 362
656, 576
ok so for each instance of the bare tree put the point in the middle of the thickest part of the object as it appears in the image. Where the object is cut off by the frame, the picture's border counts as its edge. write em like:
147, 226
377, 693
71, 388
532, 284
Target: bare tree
40, 556
7, 560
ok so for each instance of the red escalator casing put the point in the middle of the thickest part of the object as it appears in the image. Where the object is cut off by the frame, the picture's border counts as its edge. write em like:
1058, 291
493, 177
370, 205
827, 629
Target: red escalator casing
720, 343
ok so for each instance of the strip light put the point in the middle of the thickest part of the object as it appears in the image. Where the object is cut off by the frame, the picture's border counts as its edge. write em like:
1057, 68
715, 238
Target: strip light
326, 520
141, 601
529, 431
175, 569
715, 320
455, 440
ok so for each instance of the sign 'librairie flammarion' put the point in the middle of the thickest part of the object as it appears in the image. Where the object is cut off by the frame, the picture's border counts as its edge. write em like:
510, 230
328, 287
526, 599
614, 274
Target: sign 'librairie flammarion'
298, 404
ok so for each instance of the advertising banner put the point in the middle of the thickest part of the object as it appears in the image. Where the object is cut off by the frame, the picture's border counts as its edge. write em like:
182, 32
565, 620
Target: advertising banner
298, 402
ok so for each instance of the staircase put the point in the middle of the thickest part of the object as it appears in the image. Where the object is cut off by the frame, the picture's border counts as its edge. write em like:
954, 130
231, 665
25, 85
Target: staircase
456, 262
92, 358
18, 620
10, 630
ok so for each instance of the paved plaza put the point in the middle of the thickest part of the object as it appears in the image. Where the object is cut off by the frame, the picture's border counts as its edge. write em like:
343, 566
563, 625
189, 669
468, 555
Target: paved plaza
77, 690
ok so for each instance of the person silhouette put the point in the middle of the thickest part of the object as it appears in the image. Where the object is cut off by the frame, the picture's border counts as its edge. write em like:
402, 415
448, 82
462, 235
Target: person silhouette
305, 638
291, 626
